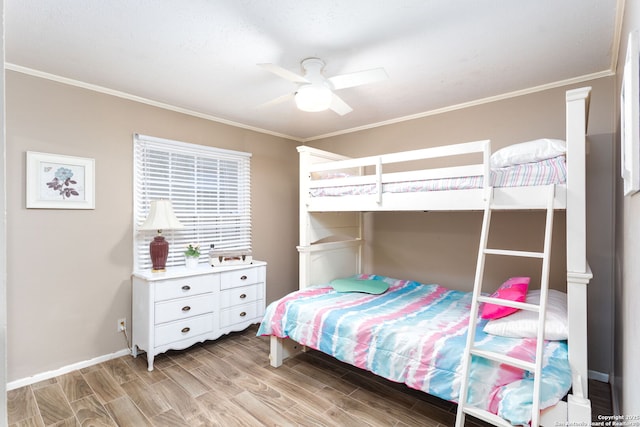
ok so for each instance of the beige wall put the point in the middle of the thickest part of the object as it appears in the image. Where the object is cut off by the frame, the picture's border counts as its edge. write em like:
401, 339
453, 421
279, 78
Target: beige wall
442, 247
626, 379
69, 270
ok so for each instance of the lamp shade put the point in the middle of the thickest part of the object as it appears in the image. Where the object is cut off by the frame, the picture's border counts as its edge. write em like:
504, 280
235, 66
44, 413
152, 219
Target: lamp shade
313, 98
161, 217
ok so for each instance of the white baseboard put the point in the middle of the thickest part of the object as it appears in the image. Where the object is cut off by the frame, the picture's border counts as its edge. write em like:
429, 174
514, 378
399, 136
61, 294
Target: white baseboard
65, 370
615, 401
598, 376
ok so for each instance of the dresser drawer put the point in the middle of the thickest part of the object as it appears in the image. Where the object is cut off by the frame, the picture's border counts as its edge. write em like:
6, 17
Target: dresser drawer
241, 295
183, 329
235, 278
182, 308
241, 313
185, 287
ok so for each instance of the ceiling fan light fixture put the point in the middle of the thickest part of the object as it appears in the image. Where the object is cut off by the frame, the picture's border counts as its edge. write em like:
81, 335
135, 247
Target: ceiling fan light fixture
313, 98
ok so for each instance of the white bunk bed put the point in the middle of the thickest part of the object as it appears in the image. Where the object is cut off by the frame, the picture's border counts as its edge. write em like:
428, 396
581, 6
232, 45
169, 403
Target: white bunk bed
331, 225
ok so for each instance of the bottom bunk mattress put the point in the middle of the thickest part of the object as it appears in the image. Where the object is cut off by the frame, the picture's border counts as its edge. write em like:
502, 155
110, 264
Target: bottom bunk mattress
416, 334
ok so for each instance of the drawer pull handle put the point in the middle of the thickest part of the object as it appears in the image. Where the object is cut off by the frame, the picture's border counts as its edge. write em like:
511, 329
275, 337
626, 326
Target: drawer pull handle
243, 278
186, 308
185, 330
244, 313
243, 296
186, 288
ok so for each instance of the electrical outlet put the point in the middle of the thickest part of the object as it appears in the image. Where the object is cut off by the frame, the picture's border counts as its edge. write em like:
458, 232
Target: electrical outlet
122, 324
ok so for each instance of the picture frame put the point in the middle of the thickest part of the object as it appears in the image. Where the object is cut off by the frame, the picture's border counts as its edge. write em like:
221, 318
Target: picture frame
56, 181
630, 117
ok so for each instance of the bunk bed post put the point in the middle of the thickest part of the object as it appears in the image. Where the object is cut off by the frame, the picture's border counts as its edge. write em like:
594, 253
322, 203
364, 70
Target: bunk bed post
577, 110
578, 271
330, 242
304, 257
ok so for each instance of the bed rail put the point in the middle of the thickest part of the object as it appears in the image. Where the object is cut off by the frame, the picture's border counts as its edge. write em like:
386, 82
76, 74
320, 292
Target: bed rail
483, 146
318, 173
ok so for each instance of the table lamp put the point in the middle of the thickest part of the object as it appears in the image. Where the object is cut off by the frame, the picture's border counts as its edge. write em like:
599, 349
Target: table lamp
161, 217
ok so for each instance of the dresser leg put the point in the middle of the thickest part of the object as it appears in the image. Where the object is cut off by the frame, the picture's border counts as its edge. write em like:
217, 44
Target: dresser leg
149, 362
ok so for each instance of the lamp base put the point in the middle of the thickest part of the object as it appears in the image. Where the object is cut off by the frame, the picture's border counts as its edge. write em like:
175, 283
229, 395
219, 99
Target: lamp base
158, 251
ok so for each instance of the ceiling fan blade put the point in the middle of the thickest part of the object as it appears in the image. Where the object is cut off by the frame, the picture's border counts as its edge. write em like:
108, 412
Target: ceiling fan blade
339, 106
358, 78
276, 101
284, 73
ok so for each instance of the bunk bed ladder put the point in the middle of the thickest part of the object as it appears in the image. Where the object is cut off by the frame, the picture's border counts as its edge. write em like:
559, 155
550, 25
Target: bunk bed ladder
471, 350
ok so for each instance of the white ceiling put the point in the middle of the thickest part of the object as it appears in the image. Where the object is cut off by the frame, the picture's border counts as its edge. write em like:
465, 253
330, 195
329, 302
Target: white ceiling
200, 56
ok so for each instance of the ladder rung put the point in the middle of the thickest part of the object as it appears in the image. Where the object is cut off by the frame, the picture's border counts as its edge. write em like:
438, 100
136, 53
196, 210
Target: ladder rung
508, 303
486, 416
501, 358
514, 253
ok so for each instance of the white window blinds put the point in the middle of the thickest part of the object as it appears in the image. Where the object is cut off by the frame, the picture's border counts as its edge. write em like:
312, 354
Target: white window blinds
209, 189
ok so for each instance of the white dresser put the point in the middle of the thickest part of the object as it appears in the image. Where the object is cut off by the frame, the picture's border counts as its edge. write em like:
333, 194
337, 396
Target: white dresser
180, 307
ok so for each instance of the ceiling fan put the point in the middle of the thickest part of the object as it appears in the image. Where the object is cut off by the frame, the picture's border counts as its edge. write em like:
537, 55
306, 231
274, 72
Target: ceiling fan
315, 92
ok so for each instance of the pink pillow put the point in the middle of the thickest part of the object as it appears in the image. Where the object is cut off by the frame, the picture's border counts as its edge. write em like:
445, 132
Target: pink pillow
514, 289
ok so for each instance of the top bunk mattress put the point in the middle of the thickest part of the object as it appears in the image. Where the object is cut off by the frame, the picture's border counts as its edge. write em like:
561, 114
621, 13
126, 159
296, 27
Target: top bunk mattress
545, 172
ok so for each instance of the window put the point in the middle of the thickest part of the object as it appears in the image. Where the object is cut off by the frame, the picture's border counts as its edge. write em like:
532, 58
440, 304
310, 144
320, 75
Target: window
209, 188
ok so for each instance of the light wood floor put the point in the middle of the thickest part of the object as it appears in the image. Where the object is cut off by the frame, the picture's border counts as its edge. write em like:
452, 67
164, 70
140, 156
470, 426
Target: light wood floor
228, 382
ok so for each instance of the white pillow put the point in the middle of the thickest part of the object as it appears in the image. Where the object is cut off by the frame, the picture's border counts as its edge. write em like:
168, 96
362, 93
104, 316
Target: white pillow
528, 152
524, 324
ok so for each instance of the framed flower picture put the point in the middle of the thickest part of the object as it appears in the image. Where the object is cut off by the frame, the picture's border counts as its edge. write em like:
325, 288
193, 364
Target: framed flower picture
630, 117
56, 181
